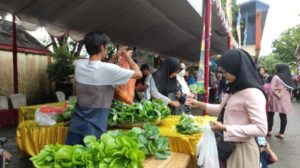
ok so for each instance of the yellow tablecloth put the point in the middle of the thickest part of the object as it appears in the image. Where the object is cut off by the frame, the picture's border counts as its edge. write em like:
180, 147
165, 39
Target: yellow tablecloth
28, 112
179, 142
31, 137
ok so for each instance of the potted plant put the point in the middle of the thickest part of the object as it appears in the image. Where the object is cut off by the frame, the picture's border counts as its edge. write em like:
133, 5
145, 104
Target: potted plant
61, 70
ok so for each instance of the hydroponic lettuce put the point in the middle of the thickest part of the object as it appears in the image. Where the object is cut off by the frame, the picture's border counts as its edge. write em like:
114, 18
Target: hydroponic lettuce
68, 112
151, 143
197, 88
188, 125
145, 111
115, 149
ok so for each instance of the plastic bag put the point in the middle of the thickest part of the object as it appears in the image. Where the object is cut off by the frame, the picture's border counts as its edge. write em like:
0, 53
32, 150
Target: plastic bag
125, 93
46, 115
207, 152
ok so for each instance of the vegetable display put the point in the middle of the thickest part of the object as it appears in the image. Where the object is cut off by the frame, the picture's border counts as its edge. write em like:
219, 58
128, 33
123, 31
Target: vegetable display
151, 143
197, 88
187, 125
68, 112
115, 149
145, 111
122, 113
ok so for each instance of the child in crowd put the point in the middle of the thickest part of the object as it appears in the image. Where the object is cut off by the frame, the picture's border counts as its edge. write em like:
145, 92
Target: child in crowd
267, 156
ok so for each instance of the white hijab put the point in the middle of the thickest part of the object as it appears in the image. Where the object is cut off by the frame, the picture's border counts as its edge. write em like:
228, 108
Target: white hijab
180, 78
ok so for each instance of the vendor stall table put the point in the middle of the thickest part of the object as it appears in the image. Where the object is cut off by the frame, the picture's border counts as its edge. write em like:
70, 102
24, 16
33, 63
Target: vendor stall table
31, 137
178, 160
28, 112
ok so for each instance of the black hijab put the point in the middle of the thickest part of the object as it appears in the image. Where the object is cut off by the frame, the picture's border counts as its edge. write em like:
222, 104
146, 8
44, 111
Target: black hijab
284, 73
240, 64
163, 82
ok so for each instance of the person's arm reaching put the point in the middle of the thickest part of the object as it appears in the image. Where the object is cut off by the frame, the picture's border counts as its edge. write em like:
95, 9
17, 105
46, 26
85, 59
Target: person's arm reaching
137, 72
273, 156
156, 94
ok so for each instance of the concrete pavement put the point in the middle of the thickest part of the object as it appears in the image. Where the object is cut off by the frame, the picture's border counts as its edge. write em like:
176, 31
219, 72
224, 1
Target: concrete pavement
287, 150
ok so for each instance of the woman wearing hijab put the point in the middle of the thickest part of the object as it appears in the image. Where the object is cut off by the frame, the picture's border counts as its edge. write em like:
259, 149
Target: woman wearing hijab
150, 89
165, 76
243, 107
165, 79
280, 98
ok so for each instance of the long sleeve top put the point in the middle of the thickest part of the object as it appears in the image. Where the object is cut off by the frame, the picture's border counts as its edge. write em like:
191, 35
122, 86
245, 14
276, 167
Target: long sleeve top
283, 104
152, 92
244, 116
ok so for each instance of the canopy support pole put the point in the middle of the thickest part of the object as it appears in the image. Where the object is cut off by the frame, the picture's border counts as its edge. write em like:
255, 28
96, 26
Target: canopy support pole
15, 53
207, 48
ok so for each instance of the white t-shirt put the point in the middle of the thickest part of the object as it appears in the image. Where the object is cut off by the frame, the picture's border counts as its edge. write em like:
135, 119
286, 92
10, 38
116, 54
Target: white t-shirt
101, 73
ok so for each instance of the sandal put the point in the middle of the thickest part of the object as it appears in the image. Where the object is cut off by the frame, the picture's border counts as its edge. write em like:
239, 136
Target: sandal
279, 136
269, 134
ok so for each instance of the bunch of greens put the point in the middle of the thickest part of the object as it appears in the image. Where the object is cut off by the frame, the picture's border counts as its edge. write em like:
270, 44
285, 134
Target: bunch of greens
150, 142
197, 88
188, 125
46, 157
145, 111
68, 112
114, 150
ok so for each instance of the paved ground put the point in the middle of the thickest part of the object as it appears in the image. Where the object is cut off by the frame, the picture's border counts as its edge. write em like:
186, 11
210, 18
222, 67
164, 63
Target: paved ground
288, 150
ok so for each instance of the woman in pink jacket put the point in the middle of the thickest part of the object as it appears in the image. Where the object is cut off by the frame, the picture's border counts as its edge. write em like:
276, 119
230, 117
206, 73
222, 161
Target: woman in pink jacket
280, 98
244, 116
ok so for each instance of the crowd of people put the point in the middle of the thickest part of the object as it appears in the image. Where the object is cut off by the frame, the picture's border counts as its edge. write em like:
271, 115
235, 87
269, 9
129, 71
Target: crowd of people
246, 98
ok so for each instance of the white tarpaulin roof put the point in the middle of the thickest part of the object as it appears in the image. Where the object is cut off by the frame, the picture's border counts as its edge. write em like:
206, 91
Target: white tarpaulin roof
163, 26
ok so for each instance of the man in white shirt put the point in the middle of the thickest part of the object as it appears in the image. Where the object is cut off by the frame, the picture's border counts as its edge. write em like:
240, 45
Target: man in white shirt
95, 81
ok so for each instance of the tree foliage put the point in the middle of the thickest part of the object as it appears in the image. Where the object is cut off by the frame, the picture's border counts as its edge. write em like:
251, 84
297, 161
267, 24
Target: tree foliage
61, 69
269, 62
72, 46
285, 46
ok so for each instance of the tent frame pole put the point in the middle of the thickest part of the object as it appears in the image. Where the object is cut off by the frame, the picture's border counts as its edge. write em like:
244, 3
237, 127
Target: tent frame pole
15, 55
207, 48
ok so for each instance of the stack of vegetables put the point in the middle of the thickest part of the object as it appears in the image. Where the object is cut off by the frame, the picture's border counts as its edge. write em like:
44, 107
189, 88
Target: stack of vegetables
197, 88
188, 125
68, 112
114, 150
145, 111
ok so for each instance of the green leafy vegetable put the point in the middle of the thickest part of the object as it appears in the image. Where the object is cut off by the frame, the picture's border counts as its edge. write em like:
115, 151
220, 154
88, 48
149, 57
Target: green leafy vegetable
197, 88
150, 142
145, 111
187, 125
68, 112
115, 149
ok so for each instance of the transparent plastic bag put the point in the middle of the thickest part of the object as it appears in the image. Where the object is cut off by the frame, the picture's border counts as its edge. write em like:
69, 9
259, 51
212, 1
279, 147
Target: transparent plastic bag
46, 115
207, 151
